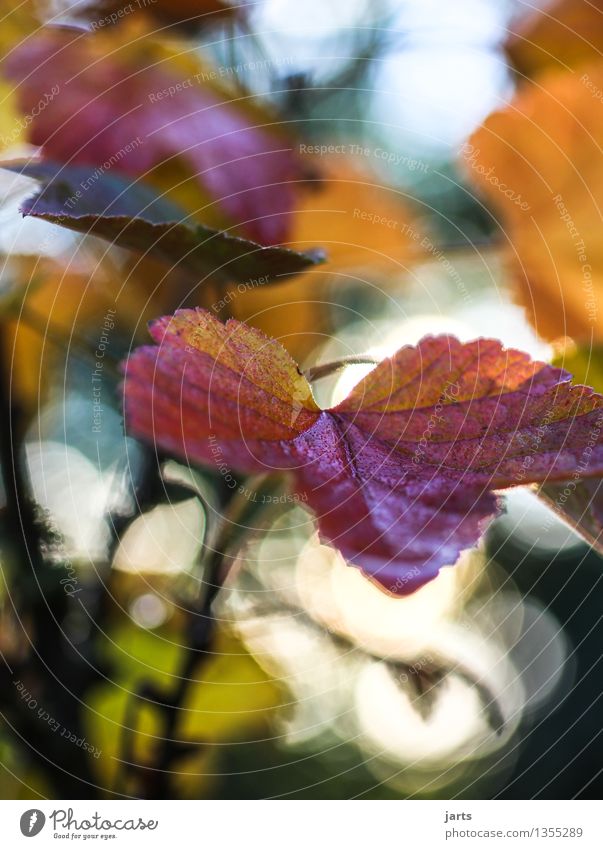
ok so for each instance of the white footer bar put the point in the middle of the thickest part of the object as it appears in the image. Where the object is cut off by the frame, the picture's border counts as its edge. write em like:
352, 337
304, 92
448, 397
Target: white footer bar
303, 824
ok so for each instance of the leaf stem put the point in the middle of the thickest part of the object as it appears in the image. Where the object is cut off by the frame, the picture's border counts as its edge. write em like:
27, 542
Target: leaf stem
326, 369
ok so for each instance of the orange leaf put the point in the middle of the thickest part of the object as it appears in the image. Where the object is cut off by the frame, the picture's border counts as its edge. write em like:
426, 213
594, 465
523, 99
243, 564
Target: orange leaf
360, 221
562, 35
368, 231
539, 162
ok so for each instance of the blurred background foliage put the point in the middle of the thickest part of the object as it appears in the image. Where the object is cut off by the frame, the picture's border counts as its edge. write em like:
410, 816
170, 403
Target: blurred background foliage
309, 682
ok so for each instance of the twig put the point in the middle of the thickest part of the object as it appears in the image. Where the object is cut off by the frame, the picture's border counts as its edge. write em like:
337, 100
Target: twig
155, 779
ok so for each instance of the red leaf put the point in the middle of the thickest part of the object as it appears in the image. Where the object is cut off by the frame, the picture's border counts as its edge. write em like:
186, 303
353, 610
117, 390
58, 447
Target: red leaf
132, 110
401, 473
190, 13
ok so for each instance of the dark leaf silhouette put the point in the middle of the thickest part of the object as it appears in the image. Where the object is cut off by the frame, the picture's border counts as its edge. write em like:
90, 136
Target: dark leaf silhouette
133, 216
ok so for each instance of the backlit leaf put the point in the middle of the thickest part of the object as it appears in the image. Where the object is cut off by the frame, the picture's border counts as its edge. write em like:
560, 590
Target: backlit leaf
401, 473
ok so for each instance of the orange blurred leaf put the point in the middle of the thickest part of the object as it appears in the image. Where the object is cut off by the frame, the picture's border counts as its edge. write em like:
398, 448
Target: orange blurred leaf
539, 162
361, 221
563, 35
369, 232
